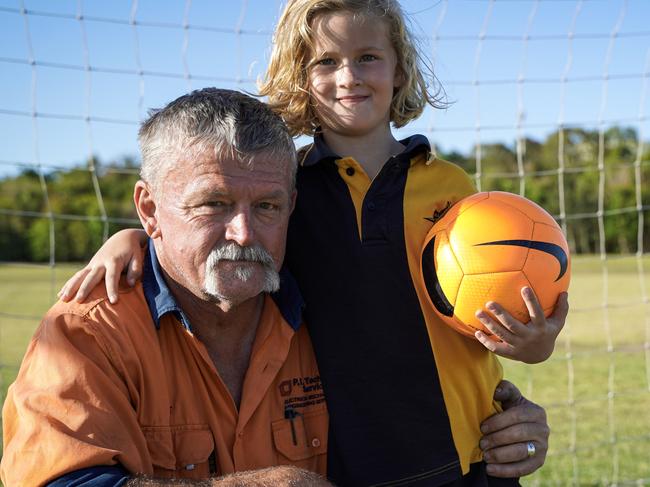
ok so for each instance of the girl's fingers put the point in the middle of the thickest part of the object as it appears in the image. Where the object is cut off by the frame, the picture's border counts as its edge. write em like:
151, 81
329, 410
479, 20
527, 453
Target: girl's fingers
534, 308
93, 278
71, 286
134, 270
500, 330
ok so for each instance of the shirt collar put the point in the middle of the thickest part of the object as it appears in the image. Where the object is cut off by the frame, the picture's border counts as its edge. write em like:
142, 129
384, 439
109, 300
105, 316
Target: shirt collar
289, 300
161, 301
159, 298
319, 151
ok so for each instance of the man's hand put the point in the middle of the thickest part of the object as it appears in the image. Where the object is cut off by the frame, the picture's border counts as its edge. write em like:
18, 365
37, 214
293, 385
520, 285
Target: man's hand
507, 435
283, 476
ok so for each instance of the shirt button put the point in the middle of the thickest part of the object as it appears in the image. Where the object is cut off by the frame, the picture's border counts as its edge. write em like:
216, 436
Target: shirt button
371, 206
315, 442
349, 171
189, 467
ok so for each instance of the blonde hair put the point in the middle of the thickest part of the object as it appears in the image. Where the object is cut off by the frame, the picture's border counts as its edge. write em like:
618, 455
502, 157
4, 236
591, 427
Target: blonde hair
286, 82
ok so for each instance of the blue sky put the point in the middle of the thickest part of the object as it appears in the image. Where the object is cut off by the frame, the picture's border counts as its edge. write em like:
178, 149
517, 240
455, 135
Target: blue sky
479, 49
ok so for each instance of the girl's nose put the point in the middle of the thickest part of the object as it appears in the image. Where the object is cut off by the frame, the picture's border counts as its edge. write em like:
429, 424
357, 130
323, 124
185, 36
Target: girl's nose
348, 76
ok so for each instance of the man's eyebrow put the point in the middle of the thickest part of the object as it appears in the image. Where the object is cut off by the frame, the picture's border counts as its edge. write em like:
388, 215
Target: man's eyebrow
275, 194
198, 194
201, 191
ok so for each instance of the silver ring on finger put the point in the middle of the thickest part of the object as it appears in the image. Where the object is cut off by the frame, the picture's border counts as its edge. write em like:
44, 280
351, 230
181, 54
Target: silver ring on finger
530, 449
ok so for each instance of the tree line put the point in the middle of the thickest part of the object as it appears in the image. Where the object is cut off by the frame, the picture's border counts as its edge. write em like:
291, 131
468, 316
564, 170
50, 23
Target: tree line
590, 181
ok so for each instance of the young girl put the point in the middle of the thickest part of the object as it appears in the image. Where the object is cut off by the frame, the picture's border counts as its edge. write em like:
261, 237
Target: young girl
406, 394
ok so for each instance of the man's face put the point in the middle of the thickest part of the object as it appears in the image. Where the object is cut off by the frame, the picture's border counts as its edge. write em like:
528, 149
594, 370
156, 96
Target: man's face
222, 225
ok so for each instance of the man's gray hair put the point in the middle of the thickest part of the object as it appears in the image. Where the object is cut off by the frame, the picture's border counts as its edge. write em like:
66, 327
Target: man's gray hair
226, 122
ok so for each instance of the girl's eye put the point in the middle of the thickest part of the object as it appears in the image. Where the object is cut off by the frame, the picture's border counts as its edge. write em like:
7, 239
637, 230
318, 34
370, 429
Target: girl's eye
325, 62
367, 57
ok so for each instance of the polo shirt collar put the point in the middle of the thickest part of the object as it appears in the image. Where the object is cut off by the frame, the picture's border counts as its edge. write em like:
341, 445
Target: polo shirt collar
319, 151
161, 301
289, 300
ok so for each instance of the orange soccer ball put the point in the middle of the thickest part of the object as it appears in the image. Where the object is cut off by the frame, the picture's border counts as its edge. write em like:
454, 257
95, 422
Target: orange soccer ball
486, 248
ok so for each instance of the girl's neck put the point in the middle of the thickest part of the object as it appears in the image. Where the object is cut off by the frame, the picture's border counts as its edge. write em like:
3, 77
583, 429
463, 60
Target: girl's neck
371, 151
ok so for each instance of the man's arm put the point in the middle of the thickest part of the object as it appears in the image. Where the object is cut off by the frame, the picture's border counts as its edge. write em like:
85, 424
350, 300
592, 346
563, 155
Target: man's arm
515, 442
101, 476
283, 476
70, 407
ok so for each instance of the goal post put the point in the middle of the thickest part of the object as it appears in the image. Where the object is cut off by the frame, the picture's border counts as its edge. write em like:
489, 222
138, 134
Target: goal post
547, 98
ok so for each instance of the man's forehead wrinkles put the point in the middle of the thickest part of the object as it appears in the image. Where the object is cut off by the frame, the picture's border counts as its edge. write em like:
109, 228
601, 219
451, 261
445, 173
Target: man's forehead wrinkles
257, 165
217, 183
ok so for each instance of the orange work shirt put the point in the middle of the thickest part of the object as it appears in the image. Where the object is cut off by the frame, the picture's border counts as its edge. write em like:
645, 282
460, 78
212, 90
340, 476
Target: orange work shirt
101, 384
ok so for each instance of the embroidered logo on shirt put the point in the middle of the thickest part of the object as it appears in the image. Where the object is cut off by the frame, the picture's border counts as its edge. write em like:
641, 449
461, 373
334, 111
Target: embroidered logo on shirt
285, 388
438, 214
302, 391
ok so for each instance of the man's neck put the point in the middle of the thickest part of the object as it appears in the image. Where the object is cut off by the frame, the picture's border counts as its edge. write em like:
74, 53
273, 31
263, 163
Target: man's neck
371, 150
227, 332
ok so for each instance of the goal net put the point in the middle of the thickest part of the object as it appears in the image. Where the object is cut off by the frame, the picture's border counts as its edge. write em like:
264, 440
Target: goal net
547, 98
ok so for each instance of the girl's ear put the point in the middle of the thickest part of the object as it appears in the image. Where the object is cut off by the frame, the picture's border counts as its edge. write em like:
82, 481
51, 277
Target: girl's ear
146, 208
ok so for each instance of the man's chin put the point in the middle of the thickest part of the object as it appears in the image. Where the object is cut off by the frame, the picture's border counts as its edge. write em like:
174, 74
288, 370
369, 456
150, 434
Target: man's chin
234, 291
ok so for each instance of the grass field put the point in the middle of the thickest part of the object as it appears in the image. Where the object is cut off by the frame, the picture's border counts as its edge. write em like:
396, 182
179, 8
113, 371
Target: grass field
595, 387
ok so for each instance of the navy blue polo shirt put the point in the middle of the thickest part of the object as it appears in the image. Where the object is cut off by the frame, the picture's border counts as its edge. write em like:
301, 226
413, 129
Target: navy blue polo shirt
390, 371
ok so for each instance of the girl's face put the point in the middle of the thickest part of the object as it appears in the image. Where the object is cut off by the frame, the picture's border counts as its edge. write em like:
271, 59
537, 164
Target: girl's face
352, 73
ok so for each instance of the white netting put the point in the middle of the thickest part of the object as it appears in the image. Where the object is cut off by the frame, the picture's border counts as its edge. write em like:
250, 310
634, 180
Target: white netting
550, 100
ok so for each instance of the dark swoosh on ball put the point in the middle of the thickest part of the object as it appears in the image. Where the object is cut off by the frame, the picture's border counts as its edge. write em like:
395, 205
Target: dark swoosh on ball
431, 282
550, 248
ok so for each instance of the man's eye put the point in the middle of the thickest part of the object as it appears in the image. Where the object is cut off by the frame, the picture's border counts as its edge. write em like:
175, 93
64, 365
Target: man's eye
265, 205
215, 204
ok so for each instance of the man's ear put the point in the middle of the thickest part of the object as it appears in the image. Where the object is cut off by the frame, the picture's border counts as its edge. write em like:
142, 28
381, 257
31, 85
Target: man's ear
145, 205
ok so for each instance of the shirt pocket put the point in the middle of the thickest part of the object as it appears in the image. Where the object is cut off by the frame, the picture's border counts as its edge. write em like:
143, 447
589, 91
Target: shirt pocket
301, 440
182, 451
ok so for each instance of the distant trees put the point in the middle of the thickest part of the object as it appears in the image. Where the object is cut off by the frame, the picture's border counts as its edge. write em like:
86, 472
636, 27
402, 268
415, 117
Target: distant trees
570, 162
76, 227
562, 173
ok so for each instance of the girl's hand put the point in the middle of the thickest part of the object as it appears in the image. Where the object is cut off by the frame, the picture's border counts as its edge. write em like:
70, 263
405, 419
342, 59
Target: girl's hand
532, 342
120, 252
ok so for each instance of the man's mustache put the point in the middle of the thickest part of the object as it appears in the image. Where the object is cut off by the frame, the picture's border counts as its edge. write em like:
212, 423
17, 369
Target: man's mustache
236, 252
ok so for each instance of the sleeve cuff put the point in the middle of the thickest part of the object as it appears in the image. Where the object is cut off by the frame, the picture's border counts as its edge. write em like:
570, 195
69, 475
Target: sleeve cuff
101, 476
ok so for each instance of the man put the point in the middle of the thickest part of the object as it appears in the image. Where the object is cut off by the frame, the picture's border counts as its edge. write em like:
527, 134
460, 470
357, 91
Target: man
204, 369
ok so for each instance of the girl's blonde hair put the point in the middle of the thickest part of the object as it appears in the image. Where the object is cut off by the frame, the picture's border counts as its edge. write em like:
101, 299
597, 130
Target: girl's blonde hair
286, 82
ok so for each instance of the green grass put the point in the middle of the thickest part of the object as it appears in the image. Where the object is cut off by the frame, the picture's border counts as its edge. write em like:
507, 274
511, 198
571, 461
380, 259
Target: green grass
597, 439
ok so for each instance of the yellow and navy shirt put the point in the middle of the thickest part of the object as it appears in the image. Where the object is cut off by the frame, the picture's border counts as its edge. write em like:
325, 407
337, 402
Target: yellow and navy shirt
406, 394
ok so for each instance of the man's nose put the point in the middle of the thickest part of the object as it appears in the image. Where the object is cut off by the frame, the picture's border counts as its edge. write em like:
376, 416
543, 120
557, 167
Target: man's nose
239, 229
